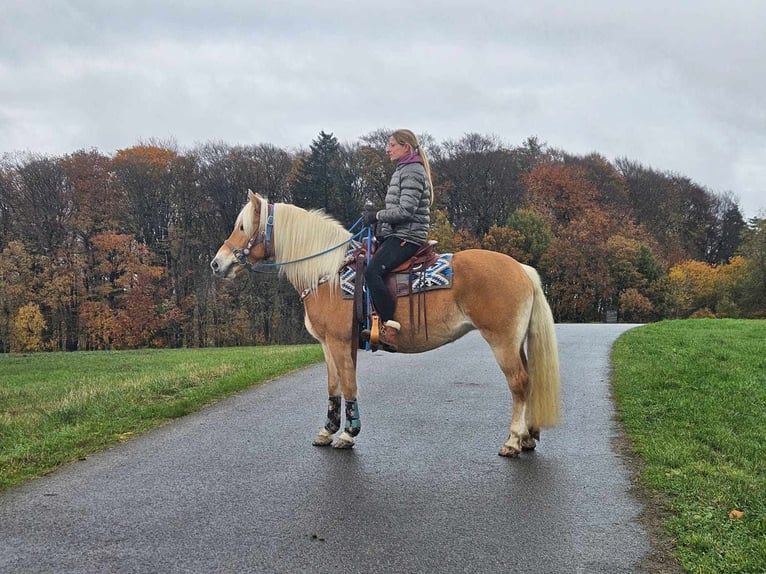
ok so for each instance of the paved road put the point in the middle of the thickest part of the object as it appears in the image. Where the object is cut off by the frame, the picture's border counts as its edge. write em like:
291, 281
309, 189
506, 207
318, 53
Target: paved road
238, 487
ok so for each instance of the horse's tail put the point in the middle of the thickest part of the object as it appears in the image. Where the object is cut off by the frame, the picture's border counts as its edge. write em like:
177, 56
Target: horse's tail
543, 361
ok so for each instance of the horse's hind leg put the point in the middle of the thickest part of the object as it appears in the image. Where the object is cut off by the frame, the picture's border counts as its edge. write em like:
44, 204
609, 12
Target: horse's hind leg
510, 357
530, 442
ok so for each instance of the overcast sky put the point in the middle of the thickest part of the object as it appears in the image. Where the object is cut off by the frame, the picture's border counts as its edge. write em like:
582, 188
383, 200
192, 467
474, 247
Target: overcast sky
679, 86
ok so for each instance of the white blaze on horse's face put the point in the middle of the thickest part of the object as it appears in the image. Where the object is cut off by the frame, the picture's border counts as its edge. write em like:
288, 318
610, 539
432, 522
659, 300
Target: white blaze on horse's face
225, 264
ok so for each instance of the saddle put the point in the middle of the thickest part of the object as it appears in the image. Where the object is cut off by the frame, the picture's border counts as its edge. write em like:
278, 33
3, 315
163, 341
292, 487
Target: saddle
424, 257
399, 283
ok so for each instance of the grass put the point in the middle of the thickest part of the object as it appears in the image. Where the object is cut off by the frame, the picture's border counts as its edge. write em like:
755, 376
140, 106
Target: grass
60, 407
692, 398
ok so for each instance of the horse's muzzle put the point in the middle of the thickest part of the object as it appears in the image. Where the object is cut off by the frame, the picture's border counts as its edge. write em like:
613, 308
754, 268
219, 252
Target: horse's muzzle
220, 266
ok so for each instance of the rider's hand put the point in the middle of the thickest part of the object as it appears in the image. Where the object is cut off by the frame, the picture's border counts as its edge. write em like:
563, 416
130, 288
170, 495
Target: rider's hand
370, 217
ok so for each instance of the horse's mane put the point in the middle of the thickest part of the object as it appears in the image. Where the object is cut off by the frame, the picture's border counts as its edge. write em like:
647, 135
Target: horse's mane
300, 234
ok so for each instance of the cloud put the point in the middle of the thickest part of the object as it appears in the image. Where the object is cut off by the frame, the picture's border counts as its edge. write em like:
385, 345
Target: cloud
677, 86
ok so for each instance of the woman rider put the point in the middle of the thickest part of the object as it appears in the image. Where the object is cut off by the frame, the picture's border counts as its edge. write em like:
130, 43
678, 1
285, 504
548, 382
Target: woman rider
405, 223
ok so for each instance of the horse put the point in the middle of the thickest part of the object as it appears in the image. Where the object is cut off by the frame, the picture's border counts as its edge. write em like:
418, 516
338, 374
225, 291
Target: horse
491, 292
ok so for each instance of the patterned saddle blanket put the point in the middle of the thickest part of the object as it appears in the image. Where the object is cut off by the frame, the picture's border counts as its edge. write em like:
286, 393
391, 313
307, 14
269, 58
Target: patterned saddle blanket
437, 276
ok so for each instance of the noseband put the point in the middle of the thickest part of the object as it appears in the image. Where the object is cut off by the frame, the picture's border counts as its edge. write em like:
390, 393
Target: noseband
265, 237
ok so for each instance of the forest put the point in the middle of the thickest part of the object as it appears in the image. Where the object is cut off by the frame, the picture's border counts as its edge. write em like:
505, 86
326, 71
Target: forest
111, 251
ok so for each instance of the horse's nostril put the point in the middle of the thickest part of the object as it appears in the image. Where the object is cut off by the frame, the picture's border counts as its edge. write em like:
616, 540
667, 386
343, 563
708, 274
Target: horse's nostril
214, 265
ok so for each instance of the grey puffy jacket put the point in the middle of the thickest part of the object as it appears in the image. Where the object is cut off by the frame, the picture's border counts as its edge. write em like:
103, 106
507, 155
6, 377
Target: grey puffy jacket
408, 204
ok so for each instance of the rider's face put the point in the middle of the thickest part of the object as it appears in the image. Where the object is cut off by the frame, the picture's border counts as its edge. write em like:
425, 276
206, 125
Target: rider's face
395, 150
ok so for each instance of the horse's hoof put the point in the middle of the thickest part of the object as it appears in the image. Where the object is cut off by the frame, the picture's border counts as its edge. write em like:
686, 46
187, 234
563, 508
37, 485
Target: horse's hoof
344, 441
343, 444
508, 452
528, 443
324, 438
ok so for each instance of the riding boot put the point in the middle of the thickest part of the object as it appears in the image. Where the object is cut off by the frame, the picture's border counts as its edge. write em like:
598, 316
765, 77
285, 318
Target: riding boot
389, 336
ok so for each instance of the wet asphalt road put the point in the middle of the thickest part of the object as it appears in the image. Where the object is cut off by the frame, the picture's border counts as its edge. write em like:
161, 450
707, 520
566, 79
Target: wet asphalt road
239, 488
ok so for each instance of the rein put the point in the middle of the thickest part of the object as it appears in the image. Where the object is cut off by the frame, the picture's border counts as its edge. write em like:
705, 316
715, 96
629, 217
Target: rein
267, 238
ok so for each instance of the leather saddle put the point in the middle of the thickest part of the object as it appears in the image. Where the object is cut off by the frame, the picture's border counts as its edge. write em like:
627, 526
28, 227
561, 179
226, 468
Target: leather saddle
424, 257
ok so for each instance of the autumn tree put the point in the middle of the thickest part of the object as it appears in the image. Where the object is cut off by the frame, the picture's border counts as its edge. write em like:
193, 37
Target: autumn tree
480, 181
694, 286
560, 193
6, 213
28, 327
38, 202
609, 184
18, 282
753, 249
634, 307
144, 178
90, 184
575, 270
687, 219
503, 240
127, 307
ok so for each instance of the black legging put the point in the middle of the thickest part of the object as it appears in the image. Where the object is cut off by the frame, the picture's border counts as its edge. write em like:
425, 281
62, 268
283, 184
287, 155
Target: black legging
391, 253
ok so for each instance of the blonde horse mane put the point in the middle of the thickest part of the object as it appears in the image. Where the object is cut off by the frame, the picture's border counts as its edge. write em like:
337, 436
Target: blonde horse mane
299, 238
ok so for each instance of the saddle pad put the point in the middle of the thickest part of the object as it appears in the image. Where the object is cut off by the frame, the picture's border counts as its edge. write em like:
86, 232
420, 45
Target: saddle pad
437, 276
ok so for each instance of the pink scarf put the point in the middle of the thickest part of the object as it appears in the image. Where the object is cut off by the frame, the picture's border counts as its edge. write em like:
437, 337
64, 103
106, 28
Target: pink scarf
413, 157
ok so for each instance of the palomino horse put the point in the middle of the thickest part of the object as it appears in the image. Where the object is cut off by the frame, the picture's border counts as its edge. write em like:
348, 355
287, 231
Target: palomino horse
491, 292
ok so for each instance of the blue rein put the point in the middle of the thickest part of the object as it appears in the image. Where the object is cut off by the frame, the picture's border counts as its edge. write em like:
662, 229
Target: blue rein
241, 254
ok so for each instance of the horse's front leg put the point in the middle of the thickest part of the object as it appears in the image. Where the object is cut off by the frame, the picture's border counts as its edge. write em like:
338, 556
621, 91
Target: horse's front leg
332, 422
346, 370
341, 384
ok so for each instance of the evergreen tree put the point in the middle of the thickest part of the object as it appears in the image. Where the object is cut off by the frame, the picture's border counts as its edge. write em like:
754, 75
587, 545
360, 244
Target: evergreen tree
325, 180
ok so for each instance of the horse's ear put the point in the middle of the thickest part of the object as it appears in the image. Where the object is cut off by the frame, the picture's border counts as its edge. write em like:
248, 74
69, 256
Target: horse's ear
252, 196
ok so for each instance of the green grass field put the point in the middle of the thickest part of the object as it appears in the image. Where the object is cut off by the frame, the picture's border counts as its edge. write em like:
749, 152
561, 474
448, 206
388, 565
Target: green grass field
692, 398
58, 407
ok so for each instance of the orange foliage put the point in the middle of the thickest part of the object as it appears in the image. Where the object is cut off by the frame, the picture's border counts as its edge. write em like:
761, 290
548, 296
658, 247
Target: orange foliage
150, 156
559, 192
28, 329
505, 240
634, 307
693, 285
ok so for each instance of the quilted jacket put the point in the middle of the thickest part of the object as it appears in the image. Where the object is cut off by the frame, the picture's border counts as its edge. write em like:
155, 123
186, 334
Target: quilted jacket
408, 204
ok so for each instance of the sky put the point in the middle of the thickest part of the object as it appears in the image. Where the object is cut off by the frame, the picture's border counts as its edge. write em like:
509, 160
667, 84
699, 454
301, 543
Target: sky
678, 86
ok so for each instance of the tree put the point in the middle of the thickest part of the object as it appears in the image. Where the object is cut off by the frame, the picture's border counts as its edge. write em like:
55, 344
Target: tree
694, 285
560, 193
725, 231
535, 235
39, 203
28, 328
610, 185
128, 306
635, 308
144, 175
18, 282
325, 180
576, 269
479, 181
753, 249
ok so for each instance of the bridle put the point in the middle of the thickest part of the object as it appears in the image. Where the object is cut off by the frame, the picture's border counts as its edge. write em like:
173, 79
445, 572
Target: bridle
266, 237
